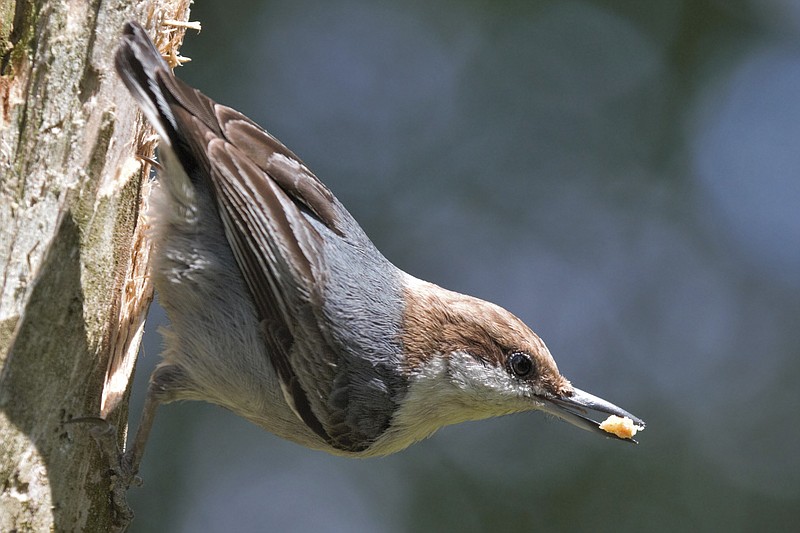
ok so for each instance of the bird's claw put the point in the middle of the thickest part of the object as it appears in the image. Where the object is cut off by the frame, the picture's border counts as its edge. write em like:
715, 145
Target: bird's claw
122, 473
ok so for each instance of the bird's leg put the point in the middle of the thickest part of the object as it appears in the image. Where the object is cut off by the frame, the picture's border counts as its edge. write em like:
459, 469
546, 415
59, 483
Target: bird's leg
125, 474
130, 460
165, 380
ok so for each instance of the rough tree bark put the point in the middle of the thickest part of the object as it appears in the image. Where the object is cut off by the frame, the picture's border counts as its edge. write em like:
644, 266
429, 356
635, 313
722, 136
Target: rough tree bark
74, 287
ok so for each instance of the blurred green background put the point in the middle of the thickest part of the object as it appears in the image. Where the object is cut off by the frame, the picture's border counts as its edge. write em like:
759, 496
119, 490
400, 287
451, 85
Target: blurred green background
623, 175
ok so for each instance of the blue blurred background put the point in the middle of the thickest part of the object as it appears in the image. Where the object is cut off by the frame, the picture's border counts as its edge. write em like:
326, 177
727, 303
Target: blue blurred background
623, 175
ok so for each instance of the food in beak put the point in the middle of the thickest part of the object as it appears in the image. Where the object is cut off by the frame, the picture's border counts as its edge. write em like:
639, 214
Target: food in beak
622, 427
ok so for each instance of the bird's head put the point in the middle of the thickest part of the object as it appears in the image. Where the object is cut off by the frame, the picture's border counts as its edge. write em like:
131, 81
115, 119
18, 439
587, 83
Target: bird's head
469, 359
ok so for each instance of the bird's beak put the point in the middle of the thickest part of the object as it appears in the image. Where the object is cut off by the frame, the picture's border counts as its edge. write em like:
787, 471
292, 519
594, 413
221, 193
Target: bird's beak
575, 410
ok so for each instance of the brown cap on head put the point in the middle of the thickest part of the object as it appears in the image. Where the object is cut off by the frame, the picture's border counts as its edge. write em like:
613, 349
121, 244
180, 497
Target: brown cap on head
438, 322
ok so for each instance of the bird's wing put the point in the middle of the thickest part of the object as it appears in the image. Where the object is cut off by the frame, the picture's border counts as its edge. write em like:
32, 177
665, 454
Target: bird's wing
273, 210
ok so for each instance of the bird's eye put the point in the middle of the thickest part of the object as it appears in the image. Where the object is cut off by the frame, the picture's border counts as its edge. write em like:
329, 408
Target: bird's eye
520, 364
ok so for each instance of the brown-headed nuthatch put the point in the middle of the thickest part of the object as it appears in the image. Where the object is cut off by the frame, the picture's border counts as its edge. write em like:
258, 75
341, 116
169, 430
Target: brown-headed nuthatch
283, 311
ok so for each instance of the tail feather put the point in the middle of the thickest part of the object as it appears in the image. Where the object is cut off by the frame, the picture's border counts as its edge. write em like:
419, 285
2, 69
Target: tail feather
139, 65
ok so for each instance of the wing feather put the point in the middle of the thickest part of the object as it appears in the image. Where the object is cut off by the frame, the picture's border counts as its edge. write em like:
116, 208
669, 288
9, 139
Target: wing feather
274, 212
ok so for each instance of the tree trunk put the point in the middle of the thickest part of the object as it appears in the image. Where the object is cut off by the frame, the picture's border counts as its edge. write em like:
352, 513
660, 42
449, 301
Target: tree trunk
74, 286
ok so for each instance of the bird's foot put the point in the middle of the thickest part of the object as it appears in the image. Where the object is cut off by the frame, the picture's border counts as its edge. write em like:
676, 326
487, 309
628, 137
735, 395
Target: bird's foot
121, 470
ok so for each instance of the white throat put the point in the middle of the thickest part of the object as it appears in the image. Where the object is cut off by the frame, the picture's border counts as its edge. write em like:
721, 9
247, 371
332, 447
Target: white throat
449, 390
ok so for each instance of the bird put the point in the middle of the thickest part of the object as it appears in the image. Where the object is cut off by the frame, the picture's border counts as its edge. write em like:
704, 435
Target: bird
284, 312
